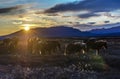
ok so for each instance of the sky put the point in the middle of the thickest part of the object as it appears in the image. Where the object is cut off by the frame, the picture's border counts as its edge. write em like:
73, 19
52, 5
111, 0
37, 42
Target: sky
84, 15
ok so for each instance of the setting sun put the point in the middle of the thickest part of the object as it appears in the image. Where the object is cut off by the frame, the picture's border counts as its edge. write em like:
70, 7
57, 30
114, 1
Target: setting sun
26, 28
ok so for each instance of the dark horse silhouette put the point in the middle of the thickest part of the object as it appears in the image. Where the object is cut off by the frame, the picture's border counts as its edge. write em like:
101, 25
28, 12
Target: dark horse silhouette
43, 47
96, 45
8, 45
73, 48
49, 47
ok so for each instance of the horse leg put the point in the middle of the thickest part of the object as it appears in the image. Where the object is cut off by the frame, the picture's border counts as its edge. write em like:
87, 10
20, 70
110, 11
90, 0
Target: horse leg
97, 51
39, 52
65, 52
83, 51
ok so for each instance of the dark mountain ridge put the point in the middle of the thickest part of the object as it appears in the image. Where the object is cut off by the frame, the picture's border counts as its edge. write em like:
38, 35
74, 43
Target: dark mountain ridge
65, 32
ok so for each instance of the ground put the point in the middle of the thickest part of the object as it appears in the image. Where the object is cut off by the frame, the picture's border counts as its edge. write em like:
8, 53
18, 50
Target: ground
104, 64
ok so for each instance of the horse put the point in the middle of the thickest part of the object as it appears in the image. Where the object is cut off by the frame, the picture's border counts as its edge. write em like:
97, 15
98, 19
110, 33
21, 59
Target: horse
50, 47
43, 47
8, 45
73, 48
96, 45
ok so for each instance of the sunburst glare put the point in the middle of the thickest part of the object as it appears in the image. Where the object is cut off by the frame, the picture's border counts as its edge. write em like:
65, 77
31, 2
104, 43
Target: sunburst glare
26, 27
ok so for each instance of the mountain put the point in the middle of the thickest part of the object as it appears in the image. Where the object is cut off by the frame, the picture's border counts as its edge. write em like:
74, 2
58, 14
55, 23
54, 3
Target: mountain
110, 32
61, 31
65, 32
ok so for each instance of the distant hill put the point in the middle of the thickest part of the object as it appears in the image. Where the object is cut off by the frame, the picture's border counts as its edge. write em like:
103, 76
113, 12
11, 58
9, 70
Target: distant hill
60, 31
65, 32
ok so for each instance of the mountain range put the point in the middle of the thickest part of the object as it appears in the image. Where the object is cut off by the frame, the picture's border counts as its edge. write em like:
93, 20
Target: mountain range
110, 32
51, 32
65, 32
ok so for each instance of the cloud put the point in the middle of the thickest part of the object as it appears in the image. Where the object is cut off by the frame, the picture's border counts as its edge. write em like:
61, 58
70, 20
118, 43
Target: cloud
54, 14
87, 27
89, 5
9, 9
84, 27
91, 23
66, 16
18, 9
88, 15
7, 1
106, 22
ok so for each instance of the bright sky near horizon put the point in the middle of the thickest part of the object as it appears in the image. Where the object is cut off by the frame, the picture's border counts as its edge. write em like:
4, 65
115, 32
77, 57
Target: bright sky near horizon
81, 14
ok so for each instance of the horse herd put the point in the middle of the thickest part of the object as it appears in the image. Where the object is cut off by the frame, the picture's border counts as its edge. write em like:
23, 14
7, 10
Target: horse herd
47, 47
38, 46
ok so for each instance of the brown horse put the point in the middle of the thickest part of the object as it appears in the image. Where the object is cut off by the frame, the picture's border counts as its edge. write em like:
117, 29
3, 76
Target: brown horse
73, 48
96, 45
43, 47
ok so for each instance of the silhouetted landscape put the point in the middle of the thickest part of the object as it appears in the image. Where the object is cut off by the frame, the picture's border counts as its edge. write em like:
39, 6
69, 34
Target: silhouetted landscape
69, 50
59, 39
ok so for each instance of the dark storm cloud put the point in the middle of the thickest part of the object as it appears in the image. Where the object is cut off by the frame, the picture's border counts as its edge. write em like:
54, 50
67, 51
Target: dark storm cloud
88, 15
90, 5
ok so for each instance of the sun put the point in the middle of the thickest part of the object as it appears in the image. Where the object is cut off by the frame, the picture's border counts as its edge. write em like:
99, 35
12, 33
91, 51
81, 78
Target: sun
26, 27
